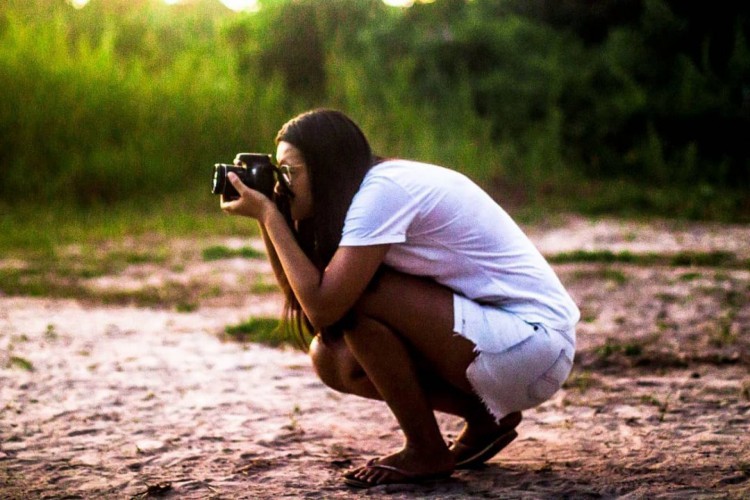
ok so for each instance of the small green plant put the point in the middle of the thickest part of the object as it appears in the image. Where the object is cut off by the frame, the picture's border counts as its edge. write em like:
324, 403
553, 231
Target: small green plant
745, 390
219, 252
690, 276
680, 259
261, 330
589, 317
706, 259
186, 307
261, 286
605, 273
50, 334
605, 256
723, 335
663, 406
21, 363
583, 381
611, 347
294, 424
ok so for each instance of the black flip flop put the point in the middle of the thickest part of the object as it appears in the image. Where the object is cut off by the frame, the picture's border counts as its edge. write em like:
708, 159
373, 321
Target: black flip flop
471, 457
406, 476
475, 457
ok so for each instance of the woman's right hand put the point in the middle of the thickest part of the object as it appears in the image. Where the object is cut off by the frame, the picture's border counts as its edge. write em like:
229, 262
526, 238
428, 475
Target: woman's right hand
251, 203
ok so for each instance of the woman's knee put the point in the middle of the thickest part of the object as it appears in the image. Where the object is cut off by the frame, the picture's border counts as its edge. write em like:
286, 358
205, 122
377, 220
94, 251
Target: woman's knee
324, 363
335, 366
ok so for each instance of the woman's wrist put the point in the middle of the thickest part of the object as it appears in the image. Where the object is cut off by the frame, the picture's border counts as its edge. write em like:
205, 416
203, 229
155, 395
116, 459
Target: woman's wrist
267, 212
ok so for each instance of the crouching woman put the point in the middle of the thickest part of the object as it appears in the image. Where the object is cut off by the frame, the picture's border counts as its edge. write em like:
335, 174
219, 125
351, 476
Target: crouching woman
421, 292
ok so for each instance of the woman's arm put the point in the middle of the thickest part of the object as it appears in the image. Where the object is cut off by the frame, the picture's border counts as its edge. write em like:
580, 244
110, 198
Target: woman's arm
325, 297
278, 271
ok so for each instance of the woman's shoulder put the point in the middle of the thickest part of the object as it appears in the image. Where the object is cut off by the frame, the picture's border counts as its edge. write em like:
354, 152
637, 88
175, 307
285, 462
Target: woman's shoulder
401, 170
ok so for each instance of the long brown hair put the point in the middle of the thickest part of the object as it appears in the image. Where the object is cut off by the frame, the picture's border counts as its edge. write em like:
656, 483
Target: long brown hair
337, 155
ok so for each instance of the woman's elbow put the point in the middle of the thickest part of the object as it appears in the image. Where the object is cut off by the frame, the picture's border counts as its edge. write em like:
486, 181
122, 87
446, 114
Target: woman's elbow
319, 322
322, 318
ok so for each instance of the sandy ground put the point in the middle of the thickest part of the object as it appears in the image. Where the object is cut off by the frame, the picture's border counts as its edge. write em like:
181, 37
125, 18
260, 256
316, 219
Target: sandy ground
126, 402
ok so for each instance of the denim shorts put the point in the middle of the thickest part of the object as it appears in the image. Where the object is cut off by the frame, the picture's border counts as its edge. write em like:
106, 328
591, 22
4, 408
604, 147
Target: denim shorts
519, 364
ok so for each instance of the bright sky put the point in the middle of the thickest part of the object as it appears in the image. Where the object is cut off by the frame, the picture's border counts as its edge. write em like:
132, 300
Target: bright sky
252, 5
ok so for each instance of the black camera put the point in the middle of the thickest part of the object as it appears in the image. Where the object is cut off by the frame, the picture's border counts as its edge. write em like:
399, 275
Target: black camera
255, 170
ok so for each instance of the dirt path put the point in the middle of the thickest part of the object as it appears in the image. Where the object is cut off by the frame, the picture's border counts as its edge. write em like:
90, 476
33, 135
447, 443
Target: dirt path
114, 402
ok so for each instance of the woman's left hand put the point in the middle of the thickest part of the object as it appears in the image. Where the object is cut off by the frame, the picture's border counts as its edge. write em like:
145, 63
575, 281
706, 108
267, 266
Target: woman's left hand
251, 203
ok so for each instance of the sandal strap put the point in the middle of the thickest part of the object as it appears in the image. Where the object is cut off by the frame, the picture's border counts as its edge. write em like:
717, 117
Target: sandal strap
390, 468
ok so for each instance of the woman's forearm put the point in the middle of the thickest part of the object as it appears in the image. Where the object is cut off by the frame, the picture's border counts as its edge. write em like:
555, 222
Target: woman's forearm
324, 296
302, 275
273, 257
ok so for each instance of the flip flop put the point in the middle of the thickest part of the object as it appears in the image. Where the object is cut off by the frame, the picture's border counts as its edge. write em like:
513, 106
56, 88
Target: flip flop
406, 476
471, 457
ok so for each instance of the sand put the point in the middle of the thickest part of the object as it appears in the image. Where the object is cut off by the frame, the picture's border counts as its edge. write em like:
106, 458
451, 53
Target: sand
101, 401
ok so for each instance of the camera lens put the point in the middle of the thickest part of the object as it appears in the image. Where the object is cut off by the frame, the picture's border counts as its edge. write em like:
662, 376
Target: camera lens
220, 179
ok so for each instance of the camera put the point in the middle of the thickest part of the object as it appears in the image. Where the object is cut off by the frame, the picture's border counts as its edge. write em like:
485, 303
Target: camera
255, 170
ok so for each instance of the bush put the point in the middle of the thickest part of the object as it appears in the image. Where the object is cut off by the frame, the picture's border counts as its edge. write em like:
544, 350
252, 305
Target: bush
131, 98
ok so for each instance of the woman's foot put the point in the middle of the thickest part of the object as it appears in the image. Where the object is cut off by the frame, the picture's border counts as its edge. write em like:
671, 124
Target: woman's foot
482, 439
405, 466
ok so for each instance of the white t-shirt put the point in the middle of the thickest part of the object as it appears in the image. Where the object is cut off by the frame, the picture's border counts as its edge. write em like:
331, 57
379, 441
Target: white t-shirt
443, 226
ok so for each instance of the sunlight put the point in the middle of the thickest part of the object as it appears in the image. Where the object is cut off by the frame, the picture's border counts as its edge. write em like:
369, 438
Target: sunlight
253, 5
405, 3
399, 3
236, 5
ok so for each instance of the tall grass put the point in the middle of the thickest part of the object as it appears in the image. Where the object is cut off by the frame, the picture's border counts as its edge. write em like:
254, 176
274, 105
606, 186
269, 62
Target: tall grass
80, 123
40, 228
130, 102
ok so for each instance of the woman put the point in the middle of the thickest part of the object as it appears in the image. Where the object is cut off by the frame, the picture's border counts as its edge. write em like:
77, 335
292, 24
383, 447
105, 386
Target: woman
421, 290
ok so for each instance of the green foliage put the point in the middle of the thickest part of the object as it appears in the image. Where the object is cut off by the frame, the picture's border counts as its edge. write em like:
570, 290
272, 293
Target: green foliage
261, 330
101, 109
21, 363
219, 252
634, 106
717, 258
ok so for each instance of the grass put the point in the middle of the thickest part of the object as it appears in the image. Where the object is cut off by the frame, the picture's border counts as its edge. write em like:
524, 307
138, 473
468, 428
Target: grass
44, 282
723, 335
687, 277
581, 380
219, 252
265, 331
260, 286
21, 363
604, 274
612, 347
51, 253
718, 259
28, 231
663, 406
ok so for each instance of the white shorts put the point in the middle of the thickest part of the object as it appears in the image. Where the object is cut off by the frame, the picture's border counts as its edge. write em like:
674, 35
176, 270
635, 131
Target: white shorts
519, 364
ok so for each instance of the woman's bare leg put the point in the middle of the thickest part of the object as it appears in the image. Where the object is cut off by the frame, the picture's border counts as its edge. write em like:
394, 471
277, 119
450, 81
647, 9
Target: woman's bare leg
404, 315
393, 372
338, 369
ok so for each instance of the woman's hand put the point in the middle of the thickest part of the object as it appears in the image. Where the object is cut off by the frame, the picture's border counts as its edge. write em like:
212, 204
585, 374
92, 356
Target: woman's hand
251, 203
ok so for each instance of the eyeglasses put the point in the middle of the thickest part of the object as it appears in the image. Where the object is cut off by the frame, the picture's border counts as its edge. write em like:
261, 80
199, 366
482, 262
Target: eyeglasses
286, 172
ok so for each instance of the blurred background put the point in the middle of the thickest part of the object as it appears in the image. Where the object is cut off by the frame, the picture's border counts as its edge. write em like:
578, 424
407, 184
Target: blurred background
623, 107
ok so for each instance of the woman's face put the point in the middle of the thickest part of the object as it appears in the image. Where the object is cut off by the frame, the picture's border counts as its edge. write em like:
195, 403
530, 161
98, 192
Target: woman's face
290, 160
